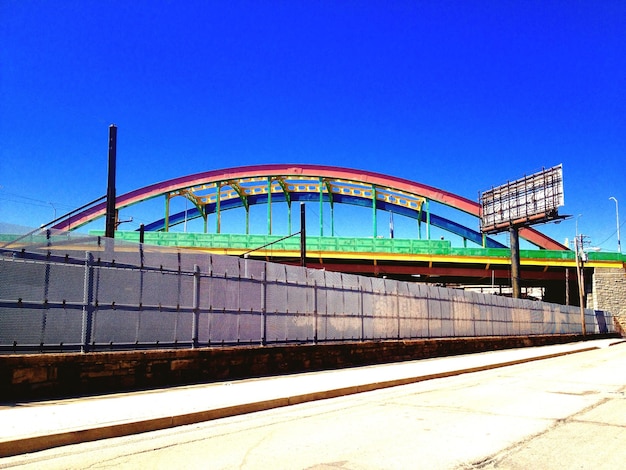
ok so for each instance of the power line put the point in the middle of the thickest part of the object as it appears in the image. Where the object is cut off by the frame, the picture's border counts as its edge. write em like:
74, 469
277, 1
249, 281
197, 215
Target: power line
612, 235
12, 197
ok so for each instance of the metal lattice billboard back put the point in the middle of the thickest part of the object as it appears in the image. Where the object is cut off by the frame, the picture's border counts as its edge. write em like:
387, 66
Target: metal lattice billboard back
526, 201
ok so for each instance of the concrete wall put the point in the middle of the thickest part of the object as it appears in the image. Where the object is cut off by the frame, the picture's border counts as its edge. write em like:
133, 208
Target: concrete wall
37, 376
609, 294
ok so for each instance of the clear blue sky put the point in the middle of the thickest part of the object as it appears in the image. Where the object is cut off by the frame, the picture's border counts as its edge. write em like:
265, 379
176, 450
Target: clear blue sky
460, 95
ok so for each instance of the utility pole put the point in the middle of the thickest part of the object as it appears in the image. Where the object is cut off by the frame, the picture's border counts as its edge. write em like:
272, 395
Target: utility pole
302, 235
111, 217
581, 282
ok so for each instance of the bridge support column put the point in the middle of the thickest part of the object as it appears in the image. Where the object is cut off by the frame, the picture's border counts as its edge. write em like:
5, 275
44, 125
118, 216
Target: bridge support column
515, 263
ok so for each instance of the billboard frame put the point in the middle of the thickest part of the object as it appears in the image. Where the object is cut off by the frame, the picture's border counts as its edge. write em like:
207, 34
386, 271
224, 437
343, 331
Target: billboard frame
530, 200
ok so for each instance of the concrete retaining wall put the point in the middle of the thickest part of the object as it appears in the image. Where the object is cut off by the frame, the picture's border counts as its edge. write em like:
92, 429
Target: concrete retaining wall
37, 376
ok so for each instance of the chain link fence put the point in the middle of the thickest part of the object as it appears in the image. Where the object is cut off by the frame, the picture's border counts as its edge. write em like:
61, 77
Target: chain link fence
78, 293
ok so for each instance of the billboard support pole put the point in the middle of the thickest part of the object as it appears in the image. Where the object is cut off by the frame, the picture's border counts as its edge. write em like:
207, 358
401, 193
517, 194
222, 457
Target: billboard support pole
515, 262
527, 201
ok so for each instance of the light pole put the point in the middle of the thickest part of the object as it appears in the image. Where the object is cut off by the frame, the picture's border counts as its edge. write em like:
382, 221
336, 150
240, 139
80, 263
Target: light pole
619, 246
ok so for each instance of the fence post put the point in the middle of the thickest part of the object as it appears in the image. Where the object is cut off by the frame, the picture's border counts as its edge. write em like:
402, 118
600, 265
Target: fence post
46, 292
87, 303
263, 306
315, 336
196, 306
141, 289
398, 307
362, 311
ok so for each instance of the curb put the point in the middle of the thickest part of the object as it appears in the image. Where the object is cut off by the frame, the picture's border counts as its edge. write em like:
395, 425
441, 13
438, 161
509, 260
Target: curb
38, 443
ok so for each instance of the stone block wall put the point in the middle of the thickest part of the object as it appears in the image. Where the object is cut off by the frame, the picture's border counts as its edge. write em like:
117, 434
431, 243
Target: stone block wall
609, 294
40, 376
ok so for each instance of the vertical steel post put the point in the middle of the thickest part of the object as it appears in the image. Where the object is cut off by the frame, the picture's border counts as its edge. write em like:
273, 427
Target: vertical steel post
289, 216
362, 313
419, 225
427, 219
397, 297
110, 208
321, 197
269, 205
302, 235
218, 207
332, 217
209, 300
196, 306
167, 213
374, 219
264, 306
566, 286
515, 262
315, 334
141, 285
581, 285
87, 303
46, 292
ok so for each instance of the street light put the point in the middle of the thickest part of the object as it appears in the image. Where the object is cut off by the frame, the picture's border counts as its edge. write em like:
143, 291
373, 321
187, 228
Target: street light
619, 246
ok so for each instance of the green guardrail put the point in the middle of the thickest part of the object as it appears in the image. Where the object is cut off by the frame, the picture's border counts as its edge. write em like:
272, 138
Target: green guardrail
346, 244
328, 244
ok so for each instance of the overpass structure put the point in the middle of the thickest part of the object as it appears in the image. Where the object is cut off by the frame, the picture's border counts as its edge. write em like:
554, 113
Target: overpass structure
481, 260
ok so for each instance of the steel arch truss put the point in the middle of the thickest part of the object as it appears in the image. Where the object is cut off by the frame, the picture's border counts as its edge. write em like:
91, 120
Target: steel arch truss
216, 191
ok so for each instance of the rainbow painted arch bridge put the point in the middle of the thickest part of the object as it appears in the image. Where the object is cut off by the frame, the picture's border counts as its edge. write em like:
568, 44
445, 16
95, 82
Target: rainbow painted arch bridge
213, 192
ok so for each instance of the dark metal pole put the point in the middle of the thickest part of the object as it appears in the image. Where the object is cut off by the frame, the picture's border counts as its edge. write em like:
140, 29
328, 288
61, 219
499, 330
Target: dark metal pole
302, 235
581, 283
515, 263
109, 231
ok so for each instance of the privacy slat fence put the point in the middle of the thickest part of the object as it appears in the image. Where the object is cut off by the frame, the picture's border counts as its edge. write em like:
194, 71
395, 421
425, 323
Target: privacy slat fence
89, 294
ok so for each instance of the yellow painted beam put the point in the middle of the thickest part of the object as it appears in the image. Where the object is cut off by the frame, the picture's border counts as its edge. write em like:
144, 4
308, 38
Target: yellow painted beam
407, 257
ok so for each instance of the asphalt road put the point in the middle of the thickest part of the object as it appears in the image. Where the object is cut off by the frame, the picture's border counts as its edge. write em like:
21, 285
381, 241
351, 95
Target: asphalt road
564, 412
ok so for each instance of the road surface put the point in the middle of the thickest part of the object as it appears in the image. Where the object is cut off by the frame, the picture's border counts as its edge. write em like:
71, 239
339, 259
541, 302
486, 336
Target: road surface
564, 412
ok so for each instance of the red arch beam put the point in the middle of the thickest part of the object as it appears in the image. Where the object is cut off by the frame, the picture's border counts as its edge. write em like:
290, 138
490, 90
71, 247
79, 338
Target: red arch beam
316, 171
